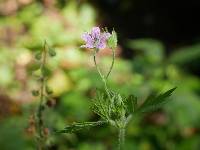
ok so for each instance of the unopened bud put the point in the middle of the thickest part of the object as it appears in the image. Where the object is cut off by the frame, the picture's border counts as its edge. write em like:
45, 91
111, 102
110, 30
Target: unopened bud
112, 41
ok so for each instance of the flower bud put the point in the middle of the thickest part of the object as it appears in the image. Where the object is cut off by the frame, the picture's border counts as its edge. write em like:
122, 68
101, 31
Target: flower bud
112, 41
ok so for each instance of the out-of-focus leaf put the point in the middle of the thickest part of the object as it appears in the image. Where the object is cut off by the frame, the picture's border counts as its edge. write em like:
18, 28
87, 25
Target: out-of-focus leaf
75, 105
184, 109
59, 83
87, 16
92, 146
186, 54
11, 130
153, 49
6, 75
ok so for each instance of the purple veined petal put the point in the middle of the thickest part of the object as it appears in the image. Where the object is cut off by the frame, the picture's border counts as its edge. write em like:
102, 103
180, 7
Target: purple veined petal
95, 32
89, 41
86, 37
102, 40
95, 39
104, 37
88, 45
101, 45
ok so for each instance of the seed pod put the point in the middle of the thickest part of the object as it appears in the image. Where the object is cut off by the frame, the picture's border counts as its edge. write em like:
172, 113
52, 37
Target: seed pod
31, 120
51, 103
38, 55
48, 90
52, 52
46, 131
35, 92
45, 71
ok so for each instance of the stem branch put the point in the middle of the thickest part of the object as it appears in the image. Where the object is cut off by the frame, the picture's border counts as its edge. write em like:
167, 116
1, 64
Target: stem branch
104, 79
113, 61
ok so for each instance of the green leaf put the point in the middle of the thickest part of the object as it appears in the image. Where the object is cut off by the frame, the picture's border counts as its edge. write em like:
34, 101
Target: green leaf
131, 104
154, 102
100, 104
79, 126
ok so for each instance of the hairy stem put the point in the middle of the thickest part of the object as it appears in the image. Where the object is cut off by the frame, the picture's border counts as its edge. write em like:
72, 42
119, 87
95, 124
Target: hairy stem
40, 123
121, 138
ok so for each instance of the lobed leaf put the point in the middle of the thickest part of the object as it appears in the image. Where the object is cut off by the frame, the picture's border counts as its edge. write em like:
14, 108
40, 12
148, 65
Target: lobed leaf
131, 104
79, 126
154, 102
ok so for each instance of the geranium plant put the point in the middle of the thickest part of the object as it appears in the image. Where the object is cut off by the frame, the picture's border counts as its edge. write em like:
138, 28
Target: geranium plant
113, 108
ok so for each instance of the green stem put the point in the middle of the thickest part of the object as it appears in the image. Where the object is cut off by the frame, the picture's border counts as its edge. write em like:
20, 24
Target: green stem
113, 61
101, 75
97, 67
121, 138
104, 79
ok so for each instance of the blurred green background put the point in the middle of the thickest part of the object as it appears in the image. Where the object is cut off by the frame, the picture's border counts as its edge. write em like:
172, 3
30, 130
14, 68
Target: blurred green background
148, 60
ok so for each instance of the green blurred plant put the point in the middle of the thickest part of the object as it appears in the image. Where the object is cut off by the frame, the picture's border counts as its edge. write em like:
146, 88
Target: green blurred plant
44, 94
113, 108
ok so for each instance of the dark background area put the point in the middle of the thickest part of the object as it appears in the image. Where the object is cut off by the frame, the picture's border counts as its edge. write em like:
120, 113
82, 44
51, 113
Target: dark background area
171, 21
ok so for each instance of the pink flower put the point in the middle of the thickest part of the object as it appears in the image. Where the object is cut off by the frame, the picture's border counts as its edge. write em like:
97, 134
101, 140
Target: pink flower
95, 39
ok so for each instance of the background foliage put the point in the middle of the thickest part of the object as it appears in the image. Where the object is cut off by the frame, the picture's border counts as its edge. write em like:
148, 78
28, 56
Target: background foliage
143, 65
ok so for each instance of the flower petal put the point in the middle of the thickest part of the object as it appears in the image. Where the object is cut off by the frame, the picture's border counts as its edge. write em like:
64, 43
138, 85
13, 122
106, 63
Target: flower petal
95, 32
86, 37
101, 45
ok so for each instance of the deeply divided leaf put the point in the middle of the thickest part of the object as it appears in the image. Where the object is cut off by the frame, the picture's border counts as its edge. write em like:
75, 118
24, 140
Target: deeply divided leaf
154, 102
80, 126
131, 104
